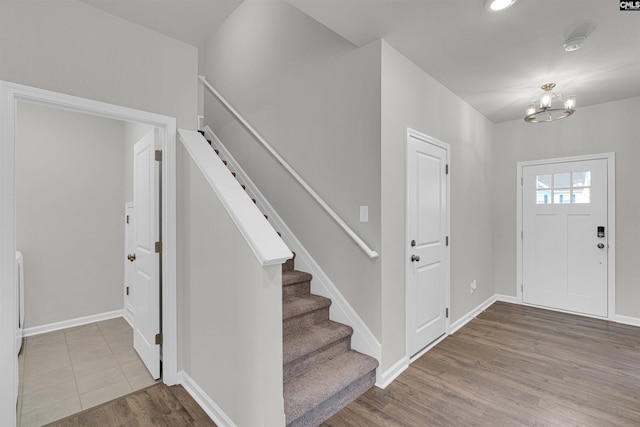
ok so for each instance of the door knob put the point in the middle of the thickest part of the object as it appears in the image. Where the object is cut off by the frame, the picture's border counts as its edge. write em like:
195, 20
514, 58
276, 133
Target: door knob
131, 257
600, 245
415, 258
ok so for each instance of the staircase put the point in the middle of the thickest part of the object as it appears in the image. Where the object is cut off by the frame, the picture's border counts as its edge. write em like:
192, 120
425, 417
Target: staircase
321, 373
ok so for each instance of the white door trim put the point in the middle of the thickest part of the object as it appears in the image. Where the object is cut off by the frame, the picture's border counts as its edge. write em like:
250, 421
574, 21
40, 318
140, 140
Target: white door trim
129, 309
10, 94
426, 138
611, 226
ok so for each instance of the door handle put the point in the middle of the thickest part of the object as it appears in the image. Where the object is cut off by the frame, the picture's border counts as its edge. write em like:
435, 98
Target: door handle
415, 258
131, 257
600, 245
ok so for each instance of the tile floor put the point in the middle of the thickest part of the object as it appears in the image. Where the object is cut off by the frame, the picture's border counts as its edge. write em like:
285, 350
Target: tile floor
70, 370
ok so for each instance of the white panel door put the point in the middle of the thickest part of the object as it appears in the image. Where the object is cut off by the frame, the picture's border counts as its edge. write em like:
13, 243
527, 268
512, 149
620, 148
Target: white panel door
428, 256
129, 267
564, 253
147, 262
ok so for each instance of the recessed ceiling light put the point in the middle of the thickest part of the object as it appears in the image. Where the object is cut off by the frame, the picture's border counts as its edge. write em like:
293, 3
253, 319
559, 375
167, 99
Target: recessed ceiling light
574, 43
496, 5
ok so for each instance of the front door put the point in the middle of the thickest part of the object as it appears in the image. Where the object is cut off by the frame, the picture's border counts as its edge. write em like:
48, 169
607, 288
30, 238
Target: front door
427, 242
565, 236
146, 229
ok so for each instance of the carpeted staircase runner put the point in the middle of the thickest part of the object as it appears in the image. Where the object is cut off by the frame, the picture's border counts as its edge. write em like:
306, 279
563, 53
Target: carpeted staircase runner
321, 373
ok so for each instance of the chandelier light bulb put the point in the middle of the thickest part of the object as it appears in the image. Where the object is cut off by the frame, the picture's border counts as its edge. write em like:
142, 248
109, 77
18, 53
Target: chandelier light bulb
531, 109
570, 102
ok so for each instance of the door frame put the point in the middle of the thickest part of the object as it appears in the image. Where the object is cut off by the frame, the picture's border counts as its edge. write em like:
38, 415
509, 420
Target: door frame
611, 226
10, 95
129, 308
428, 140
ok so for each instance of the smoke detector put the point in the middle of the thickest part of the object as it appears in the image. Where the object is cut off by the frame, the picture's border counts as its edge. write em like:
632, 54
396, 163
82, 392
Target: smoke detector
574, 43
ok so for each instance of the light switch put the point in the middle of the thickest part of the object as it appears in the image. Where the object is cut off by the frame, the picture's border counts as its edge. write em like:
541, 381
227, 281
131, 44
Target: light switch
364, 213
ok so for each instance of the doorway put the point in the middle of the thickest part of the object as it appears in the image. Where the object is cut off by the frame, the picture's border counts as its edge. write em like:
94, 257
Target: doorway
427, 256
566, 242
11, 94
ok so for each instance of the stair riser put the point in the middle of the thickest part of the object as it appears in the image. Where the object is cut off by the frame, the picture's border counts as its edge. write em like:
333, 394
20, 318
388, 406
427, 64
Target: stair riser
288, 265
330, 407
308, 361
296, 290
305, 320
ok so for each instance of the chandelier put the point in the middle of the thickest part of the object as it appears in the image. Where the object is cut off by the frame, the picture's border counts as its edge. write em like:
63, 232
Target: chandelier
550, 106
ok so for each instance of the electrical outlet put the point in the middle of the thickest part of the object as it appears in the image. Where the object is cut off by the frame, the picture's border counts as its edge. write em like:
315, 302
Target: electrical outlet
473, 286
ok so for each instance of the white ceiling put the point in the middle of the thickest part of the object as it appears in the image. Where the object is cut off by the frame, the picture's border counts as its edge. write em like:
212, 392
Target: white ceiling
494, 61
190, 21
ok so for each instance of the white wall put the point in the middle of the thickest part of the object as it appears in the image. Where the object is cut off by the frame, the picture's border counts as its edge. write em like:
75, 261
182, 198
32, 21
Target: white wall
603, 128
69, 210
69, 47
412, 98
316, 99
230, 310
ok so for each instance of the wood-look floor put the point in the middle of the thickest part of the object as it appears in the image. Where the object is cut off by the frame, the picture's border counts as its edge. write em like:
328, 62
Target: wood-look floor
514, 366
157, 405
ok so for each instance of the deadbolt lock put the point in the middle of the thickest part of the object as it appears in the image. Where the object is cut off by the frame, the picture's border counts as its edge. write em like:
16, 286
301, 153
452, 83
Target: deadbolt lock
131, 257
413, 243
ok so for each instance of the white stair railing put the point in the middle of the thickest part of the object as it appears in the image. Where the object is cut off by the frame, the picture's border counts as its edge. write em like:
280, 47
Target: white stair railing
370, 252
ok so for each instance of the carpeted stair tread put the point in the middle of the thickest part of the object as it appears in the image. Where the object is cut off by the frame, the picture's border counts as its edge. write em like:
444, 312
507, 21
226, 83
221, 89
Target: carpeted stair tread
293, 277
314, 387
305, 341
296, 306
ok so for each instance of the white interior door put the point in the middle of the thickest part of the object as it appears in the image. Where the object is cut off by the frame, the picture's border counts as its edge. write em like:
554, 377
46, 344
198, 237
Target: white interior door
428, 255
129, 267
564, 250
146, 227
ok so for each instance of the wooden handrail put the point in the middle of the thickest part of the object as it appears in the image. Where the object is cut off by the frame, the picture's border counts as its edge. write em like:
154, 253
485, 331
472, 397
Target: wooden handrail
370, 252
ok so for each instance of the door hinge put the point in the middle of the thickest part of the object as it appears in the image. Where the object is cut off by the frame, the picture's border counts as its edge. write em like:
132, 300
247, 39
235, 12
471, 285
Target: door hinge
127, 219
446, 169
521, 181
522, 287
158, 155
446, 312
158, 247
521, 235
127, 290
158, 339
446, 241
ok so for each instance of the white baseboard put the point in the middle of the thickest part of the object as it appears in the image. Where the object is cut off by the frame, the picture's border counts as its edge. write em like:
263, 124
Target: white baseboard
341, 311
206, 403
627, 320
387, 377
507, 298
36, 330
455, 326
384, 379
